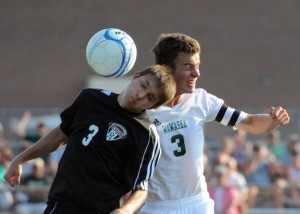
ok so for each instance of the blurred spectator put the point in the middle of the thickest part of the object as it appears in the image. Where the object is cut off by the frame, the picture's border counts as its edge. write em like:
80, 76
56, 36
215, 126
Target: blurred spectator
35, 189
2, 137
226, 197
293, 176
38, 177
208, 171
277, 147
238, 180
294, 143
30, 135
5, 153
5, 158
224, 155
6, 197
27, 135
53, 161
258, 173
242, 149
277, 168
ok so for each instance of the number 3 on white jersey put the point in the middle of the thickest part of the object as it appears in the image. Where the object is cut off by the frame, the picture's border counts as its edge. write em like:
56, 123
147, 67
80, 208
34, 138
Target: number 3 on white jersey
86, 140
179, 140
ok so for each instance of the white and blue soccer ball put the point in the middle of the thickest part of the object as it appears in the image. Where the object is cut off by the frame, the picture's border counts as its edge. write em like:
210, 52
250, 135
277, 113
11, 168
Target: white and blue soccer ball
111, 52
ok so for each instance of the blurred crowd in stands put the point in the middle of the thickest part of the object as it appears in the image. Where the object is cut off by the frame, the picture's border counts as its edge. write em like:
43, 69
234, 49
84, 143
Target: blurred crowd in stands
239, 174
37, 175
242, 171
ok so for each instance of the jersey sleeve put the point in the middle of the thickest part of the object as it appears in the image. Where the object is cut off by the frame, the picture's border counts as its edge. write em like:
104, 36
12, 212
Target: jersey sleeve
142, 185
67, 116
210, 104
217, 110
148, 159
229, 116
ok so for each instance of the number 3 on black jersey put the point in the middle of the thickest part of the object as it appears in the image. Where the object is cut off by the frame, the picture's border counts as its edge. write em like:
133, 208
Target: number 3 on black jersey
86, 140
180, 143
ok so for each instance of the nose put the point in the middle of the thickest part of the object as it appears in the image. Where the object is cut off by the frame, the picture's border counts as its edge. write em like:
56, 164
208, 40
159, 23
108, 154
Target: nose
196, 72
140, 95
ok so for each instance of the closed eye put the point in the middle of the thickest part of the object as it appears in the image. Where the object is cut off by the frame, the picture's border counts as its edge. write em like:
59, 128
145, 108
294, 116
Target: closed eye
145, 84
151, 98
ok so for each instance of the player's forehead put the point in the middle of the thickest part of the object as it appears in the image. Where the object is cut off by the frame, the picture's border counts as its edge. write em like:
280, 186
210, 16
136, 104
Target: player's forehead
151, 81
153, 85
190, 58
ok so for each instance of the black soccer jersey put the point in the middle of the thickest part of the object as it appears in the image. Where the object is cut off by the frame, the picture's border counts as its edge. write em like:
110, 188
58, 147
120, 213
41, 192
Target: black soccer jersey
110, 151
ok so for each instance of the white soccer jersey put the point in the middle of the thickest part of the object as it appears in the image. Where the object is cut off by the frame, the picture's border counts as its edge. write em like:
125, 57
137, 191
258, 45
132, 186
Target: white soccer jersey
179, 173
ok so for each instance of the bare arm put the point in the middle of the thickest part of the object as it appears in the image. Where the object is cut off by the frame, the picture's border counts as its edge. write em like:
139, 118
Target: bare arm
22, 124
135, 201
264, 123
45, 145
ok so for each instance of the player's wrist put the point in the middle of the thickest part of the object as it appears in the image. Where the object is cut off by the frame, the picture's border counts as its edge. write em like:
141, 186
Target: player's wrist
123, 210
276, 123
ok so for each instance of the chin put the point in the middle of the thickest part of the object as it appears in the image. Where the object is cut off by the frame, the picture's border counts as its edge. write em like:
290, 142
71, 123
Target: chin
190, 88
189, 91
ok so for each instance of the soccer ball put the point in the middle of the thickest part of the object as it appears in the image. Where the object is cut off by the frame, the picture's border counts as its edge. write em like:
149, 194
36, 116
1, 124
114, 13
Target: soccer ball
111, 52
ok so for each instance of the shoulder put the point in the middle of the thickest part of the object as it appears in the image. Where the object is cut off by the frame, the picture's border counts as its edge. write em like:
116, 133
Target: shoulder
206, 99
200, 92
143, 120
201, 95
96, 93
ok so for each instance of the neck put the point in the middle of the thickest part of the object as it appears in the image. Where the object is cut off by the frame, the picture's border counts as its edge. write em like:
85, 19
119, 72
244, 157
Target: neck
120, 100
174, 102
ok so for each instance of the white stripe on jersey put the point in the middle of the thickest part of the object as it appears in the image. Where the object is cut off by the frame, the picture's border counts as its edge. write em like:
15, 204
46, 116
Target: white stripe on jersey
227, 116
143, 185
156, 152
154, 157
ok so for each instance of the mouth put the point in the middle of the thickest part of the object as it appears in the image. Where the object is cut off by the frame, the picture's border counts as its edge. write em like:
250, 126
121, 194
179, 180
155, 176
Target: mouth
191, 83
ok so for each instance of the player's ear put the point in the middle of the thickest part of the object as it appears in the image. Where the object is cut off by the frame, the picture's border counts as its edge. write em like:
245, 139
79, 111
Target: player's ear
136, 75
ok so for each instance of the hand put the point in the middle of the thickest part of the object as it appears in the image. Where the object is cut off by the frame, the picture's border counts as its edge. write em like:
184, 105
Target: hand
279, 115
26, 116
119, 211
13, 174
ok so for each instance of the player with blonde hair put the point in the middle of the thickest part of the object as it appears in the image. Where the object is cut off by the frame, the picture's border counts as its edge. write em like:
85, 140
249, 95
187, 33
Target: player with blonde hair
111, 147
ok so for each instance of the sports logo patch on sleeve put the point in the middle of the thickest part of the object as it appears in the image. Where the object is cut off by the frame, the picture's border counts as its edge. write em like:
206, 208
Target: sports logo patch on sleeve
115, 132
156, 122
106, 92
